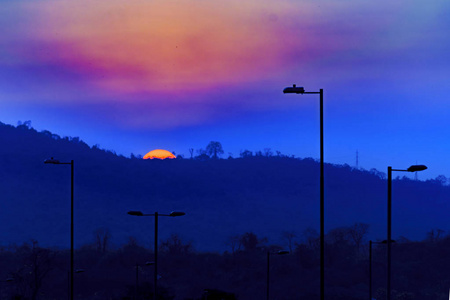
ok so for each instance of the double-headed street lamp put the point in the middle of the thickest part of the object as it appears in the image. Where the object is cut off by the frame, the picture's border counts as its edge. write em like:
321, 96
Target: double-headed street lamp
300, 90
57, 162
156, 215
413, 168
281, 252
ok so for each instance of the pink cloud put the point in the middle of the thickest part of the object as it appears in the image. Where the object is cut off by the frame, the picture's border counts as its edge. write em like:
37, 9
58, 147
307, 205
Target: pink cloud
153, 47
179, 61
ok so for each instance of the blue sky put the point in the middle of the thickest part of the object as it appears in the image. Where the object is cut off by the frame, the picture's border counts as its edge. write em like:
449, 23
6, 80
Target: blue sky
140, 75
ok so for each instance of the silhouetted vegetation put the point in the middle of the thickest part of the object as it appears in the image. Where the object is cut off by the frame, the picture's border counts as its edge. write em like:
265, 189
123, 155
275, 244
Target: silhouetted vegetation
237, 210
420, 270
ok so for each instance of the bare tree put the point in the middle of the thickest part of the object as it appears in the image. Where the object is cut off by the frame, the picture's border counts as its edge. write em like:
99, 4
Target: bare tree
435, 235
268, 152
132, 241
251, 242
338, 235
214, 149
245, 153
174, 245
102, 237
289, 236
235, 243
312, 237
357, 232
37, 263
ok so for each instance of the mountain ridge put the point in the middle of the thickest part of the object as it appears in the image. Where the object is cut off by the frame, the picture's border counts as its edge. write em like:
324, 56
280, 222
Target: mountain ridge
267, 195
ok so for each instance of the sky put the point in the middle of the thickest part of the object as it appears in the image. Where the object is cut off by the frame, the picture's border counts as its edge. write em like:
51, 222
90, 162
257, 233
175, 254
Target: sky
137, 75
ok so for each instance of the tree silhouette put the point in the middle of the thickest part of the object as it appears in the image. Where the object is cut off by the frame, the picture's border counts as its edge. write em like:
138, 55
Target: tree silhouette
214, 149
289, 236
37, 262
357, 232
251, 242
175, 246
102, 237
246, 153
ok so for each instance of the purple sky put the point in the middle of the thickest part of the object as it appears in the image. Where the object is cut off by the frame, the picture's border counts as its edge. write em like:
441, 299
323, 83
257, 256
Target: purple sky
133, 76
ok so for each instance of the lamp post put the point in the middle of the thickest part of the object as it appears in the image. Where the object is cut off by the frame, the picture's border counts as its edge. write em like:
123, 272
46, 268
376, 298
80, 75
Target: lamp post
57, 162
149, 263
68, 280
413, 168
281, 252
156, 215
7, 280
300, 90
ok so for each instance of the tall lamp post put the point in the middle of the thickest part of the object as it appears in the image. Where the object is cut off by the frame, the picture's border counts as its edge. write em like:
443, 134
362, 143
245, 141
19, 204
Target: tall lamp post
300, 90
68, 280
57, 162
281, 252
149, 263
413, 168
156, 215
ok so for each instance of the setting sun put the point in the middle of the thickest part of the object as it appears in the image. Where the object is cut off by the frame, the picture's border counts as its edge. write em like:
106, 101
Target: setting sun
159, 153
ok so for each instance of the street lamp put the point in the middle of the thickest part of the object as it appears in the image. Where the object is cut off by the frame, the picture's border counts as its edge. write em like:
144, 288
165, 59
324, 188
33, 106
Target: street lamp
57, 162
413, 168
281, 252
77, 271
370, 264
300, 90
149, 263
156, 215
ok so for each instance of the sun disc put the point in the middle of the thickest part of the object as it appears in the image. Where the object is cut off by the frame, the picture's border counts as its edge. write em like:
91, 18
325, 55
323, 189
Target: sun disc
159, 154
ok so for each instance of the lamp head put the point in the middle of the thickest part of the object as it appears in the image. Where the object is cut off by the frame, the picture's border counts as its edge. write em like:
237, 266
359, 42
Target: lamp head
51, 161
416, 168
135, 213
294, 90
177, 214
385, 241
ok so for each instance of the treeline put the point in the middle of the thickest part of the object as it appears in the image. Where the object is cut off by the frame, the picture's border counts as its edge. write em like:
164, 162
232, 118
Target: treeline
263, 191
213, 150
269, 195
419, 270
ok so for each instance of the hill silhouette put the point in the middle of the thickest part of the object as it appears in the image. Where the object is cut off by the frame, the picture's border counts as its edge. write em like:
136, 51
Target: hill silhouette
267, 195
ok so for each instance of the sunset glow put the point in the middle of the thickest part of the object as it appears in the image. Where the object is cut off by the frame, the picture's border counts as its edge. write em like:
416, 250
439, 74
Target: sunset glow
144, 46
159, 154
182, 73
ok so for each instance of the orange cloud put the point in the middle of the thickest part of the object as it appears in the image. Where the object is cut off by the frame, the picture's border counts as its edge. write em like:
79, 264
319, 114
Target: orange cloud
141, 46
